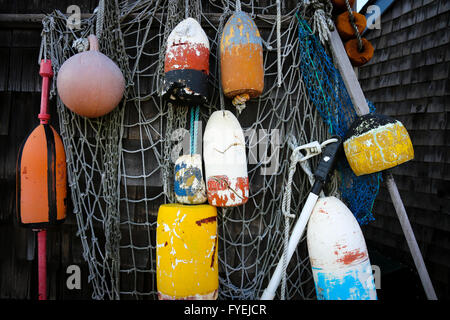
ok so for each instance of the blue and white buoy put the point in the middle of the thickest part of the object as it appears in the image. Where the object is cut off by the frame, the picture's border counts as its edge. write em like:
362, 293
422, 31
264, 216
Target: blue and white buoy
338, 253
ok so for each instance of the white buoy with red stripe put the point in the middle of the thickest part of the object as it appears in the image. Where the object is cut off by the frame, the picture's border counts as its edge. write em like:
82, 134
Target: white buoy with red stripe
338, 253
225, 161
186, 64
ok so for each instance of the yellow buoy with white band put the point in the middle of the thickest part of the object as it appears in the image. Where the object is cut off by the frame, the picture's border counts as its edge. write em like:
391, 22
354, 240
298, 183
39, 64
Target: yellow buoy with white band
186, 251
377, 142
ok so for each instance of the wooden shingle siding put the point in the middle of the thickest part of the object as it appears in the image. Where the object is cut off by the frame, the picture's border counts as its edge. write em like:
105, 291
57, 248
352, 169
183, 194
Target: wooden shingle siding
408, 79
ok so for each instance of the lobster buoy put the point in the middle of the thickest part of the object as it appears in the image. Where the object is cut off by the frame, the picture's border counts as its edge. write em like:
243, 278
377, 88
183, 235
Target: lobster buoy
189, 185
186, 64
186, 251
41, 179
89, 83
241, 59
345, 28
340, 5
375, 143
225, 161
338, 254
356, 57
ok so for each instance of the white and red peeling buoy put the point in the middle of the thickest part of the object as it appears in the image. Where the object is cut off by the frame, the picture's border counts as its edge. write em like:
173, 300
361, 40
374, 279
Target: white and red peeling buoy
189, 185
338, 253
225, 161
186, 64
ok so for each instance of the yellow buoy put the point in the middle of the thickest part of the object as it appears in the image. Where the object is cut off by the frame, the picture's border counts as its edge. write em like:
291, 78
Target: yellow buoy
376, 143
186, 251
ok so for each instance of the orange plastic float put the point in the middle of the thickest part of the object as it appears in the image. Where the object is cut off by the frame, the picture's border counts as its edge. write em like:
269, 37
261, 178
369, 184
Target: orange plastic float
356, 57
89, 83
345, 28
41, 178
241, 59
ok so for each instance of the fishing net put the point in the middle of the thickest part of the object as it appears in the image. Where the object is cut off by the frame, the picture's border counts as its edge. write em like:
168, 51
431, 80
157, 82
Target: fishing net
121, 166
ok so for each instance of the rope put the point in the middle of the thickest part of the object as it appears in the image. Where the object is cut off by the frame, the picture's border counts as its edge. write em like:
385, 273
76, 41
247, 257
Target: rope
279, 43
100, 19
318, 14
195, 113
312, 149
352, 21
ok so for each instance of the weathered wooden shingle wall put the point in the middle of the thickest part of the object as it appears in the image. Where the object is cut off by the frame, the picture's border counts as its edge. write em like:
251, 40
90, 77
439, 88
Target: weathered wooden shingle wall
408, 79
19, 106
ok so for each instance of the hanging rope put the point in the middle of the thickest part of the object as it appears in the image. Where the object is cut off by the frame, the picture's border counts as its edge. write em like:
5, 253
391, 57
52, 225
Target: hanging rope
352, 22
312, 149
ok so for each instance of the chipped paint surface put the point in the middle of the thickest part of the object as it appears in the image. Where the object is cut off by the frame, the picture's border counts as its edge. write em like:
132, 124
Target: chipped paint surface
352, 283
186, 249
186, 64
189, 185
380, 148
241, 57
338, 253
225, 161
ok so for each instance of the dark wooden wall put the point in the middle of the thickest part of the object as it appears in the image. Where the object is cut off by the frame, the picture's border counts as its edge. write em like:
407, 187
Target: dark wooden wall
19, 106
408, 79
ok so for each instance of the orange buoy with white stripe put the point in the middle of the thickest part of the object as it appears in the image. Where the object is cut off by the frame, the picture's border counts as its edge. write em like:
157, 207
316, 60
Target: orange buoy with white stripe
377, 142
345, 28
225, 160
186, 64
241, 59
186, 252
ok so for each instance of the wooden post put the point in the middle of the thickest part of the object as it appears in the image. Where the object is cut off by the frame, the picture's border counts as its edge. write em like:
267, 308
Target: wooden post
361, 107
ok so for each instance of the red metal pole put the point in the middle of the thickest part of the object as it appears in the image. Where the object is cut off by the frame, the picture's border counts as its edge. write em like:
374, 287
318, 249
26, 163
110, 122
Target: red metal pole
42, 263
46, 73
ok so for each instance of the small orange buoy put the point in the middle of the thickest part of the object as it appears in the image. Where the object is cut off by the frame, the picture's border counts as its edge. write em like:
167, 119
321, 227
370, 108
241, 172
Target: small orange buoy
41, 179
89, 83
345, 28
359, 58
241, 59
340, 5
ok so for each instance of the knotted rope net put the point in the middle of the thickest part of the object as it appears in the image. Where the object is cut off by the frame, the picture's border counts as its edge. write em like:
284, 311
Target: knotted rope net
121, 166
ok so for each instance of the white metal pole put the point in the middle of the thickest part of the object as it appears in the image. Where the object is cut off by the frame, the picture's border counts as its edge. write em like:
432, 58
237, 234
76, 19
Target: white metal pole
296, 235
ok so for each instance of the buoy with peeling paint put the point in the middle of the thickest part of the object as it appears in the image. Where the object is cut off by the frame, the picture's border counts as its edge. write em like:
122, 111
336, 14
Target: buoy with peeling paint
186, 64
338, 253
225, 161
241, 59
377, 142
186, 252
189, 185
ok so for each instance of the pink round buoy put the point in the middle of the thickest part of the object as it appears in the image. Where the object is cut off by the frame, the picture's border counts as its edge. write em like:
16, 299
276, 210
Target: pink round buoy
89, 83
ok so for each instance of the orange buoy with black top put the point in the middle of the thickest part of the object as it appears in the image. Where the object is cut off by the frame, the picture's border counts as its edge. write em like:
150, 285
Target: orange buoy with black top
186, 64
345, 27
340, 5
356, 57
241, 59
